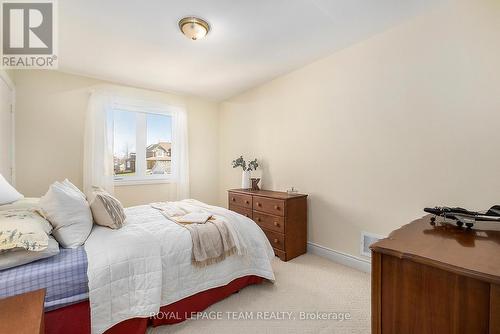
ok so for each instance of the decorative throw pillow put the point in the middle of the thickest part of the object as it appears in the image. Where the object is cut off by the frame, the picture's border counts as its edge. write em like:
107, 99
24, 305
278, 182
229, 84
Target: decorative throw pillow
7, 192
106, 209
69, 213
23, 229
17, 257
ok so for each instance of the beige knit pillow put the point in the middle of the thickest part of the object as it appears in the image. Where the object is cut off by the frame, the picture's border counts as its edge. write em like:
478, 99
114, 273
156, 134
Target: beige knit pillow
106, 209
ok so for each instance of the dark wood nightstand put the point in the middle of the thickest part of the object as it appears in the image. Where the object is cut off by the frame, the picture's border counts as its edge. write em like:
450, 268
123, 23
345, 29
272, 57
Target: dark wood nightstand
23, 314
437, 278
282, 217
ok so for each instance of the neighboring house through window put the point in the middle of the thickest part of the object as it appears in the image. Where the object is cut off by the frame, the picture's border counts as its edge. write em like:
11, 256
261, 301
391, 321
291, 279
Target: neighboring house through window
142, 145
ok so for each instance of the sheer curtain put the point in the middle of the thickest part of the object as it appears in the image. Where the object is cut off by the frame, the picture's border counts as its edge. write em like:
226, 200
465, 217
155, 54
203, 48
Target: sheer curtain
180, 159
98, 144
98, 150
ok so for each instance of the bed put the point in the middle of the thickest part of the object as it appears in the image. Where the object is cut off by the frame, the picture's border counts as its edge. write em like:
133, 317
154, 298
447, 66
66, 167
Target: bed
64, 276
119, 280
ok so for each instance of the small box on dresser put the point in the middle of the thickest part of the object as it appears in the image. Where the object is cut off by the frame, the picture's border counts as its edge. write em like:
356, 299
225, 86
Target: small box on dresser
282, 217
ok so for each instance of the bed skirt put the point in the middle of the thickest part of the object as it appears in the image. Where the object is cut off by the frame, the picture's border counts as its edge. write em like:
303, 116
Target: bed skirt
75, 318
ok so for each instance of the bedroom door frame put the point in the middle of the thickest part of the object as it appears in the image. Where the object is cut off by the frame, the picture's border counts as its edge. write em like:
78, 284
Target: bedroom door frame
4, 76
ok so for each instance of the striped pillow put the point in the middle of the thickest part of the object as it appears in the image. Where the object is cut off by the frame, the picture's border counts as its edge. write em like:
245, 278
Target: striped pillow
106, 209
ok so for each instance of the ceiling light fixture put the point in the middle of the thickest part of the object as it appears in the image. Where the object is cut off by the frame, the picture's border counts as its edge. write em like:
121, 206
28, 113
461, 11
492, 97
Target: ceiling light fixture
194, 28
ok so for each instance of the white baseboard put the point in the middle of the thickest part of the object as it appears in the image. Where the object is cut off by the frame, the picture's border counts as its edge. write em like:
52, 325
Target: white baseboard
339, 257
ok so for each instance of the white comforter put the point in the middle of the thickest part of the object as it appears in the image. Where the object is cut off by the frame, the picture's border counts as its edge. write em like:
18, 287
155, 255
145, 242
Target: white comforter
147, 264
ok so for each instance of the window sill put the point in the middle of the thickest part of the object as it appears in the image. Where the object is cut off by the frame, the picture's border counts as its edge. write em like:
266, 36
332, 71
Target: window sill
142, 181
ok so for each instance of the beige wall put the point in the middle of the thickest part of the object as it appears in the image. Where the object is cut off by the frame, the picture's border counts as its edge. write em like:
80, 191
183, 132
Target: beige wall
50, 116
407, 119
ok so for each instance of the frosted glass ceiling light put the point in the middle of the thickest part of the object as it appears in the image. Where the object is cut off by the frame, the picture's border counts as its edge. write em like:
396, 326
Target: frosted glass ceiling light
194, 28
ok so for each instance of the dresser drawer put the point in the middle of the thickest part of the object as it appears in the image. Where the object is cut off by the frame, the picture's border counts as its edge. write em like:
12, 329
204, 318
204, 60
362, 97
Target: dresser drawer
273, 223
279, 253
240, 200
277, 240
269, 205
242, 211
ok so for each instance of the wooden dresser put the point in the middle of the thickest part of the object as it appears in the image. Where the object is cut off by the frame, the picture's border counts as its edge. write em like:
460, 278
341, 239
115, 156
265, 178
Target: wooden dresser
282, 217
437, 279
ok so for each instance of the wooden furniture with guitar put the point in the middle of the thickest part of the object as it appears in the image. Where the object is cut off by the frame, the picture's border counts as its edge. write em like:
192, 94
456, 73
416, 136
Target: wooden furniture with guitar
282, 217
23, 314
437, 279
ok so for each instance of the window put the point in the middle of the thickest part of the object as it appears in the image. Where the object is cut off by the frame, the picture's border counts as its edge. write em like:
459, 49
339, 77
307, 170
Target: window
159, 144
124, 140
132, 141
142, 146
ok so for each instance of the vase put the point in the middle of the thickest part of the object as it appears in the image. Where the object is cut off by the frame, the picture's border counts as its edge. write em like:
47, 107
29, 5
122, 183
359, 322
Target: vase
245, 180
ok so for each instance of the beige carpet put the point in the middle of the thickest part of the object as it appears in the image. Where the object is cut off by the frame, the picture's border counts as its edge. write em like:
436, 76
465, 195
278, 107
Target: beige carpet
306, 284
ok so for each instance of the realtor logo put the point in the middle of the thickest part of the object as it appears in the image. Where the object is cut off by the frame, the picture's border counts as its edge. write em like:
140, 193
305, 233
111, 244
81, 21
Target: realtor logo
28, 34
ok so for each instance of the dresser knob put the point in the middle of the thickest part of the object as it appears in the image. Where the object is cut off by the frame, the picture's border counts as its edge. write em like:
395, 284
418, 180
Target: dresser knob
276, 207
275, 241
258, 204
246, 215
276, 224
233, 199
247, 202
258, 219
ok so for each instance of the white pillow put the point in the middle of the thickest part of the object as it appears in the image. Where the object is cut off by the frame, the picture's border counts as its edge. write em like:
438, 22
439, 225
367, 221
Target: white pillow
74, 188
7, 192
17, 257
69, 213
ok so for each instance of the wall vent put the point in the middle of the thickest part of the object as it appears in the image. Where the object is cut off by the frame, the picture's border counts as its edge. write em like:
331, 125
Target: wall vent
366, 240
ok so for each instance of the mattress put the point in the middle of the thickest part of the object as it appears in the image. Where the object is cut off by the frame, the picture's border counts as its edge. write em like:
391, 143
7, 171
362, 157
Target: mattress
64, 276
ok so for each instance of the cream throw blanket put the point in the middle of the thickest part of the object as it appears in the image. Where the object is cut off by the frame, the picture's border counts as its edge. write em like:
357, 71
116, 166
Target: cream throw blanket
213, 238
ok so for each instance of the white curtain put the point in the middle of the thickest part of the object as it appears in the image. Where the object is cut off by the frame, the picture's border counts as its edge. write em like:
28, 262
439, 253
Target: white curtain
98, 144
98, 151
180, 159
